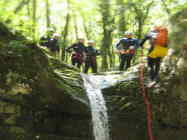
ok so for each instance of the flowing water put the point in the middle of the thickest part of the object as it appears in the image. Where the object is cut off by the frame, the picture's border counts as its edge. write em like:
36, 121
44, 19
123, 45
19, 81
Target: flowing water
93, 85
98, 109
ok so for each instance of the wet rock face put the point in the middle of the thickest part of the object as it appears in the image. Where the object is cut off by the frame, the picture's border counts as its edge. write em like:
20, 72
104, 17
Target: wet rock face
127, 110
38, 98
175, 96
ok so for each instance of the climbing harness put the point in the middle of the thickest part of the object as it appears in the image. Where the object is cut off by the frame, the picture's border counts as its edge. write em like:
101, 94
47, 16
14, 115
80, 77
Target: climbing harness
147, 103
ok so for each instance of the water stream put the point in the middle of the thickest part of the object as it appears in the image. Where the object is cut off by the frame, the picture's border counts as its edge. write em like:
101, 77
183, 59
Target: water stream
98, 109
93, 85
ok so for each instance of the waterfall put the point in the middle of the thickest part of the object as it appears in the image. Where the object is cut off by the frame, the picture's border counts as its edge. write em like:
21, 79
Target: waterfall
98, 108
93, 85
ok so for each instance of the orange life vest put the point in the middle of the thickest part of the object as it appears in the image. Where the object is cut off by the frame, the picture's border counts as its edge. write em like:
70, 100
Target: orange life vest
162, 36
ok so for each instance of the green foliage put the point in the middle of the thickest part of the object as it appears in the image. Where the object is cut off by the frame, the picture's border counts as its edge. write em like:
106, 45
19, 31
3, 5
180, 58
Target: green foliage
179, 26
86, 18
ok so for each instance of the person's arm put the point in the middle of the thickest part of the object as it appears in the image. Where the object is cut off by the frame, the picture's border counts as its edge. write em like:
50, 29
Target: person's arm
70, 47
136, 43
118, 44
84, 49
144, 40
58, 45
97, 52
43, 41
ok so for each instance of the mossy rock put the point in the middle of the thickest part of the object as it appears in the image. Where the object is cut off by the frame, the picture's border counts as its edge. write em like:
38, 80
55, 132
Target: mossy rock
40, 87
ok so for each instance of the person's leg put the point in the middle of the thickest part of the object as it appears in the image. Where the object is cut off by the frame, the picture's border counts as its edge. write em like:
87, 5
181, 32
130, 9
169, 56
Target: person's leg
122, 62
79, 64
129, 59
79, 60
94, 64
151, 67
86, 67
157, 67
73, 61
94, 67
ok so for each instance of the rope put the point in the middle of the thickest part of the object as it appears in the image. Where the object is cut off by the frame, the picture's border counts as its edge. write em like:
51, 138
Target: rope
147, 103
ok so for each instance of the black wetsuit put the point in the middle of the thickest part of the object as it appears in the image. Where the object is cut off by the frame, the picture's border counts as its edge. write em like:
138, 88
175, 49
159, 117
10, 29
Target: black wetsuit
78, 54
44, 41
91, 61
53, 45
50, 43
153, 63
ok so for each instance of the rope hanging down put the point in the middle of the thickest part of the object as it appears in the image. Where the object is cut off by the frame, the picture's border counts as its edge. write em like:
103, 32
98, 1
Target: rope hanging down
147, 103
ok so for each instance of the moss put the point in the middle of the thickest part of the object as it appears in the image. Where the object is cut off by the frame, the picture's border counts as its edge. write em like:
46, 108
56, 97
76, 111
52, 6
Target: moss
37, 86
7, 34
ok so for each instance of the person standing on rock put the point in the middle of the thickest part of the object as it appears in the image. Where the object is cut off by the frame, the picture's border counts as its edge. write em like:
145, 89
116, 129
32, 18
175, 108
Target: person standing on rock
78, 54
158, 50
44, 40
91, 54
126, 47
54, 44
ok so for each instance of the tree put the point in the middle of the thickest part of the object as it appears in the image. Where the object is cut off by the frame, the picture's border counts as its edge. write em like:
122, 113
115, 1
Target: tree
121, 12
21, 5
107, 24
141, 13
166, 7
65, 33
75, 25
48, 21
34, 8
86, 27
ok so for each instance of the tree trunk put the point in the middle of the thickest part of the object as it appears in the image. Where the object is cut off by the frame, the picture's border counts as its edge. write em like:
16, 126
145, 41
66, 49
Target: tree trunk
86, 27
29, 14
34, 8
48, 21
76, 27
28, 10
107, 32
104, 49
166, 7
21, 5
112, 58
86, 30
140, 28
122, 22
65, 35
142, 14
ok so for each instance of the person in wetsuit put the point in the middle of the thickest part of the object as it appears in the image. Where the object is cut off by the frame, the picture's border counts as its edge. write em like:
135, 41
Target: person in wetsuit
159, 42
78, 49
126, 47
45, 40
91, 60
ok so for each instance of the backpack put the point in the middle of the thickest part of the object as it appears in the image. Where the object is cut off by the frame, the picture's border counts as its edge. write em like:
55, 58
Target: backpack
162, 36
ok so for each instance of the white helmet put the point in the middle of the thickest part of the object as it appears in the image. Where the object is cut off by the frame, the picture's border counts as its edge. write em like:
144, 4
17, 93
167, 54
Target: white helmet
128, 33
56, 35
91, 41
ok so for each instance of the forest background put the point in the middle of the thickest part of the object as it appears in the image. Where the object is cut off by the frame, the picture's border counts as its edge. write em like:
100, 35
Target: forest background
104, 21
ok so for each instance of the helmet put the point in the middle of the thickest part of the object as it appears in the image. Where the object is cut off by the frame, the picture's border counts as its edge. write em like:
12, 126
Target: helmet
128, 33
80, 38
91, 41
56, 35
159, 28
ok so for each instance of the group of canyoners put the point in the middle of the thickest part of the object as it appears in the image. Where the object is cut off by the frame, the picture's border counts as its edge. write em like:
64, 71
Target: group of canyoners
81, 54
126, 48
